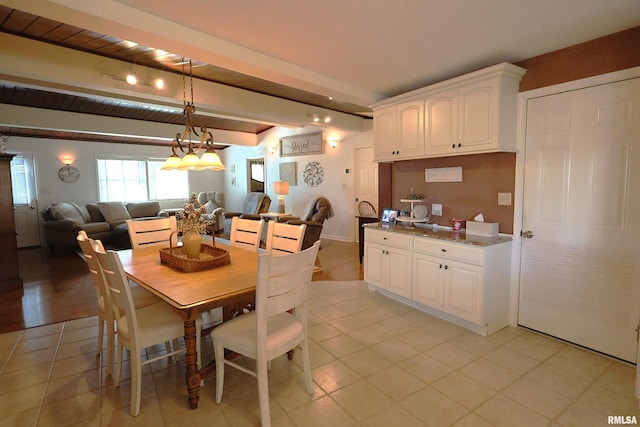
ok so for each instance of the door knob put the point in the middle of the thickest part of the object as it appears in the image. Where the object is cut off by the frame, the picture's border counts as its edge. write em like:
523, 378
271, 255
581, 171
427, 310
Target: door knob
526, 234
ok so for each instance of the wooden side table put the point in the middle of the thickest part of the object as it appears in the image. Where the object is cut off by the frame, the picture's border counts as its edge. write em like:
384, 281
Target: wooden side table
275, 216
362, 220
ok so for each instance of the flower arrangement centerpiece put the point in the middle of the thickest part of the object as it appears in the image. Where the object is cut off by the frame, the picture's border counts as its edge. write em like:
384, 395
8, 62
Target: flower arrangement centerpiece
192, 226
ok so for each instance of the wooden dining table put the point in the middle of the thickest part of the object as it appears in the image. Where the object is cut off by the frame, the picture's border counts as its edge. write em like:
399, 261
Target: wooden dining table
230, 286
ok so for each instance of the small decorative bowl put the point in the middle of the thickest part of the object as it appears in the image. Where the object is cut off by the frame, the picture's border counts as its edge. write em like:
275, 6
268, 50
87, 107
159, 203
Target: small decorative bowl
458, 224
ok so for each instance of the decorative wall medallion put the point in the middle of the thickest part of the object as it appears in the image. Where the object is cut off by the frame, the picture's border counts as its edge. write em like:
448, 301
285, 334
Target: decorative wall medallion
68, 174
313, 174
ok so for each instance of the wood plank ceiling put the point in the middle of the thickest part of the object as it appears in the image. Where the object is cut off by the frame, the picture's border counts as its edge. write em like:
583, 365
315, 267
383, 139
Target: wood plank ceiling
27, 25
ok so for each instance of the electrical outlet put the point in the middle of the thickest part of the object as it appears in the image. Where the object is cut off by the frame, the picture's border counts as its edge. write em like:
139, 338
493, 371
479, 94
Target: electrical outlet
436, 209
504, 199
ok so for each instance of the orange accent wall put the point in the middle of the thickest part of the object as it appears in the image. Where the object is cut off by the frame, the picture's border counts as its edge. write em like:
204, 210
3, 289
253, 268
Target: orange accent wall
483, 176
606, 54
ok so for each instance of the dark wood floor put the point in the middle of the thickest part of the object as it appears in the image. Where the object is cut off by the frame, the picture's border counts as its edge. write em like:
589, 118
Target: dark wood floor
57, 287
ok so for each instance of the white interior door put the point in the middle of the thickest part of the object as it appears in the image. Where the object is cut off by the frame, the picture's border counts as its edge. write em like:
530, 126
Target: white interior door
580, 277
24, 199
366, 177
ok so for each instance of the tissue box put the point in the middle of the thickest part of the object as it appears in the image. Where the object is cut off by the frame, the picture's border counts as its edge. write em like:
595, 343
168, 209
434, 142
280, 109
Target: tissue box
489, 229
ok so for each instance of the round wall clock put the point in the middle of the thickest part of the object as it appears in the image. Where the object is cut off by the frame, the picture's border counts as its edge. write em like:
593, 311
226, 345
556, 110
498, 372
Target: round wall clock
313, 174
69, 174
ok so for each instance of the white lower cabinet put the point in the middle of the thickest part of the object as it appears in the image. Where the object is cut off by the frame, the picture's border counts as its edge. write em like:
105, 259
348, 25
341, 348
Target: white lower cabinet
463, 283
387, 260
449, 286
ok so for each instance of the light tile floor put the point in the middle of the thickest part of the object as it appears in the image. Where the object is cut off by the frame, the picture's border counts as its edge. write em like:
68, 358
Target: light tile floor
375, 362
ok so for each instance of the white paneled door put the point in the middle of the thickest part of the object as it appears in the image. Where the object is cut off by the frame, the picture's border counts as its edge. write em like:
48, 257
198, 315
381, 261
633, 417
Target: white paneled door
24, 199
580, 278
366, 177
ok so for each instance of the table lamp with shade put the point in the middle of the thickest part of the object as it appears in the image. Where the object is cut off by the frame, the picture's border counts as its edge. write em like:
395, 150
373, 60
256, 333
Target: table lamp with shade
281, 188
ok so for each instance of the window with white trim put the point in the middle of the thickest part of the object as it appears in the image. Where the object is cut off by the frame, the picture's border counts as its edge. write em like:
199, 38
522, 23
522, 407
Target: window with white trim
19, 181
131, 180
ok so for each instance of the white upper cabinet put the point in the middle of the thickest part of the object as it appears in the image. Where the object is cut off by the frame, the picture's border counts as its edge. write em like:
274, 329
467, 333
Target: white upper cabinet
384, 127
441, 112
466, 120
474, 113
399, 131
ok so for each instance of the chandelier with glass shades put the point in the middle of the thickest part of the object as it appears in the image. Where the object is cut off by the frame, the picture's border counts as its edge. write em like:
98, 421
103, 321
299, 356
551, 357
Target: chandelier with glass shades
209, 159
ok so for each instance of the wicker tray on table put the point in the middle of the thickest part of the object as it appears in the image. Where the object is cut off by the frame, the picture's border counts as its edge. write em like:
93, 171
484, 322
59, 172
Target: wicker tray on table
210, 257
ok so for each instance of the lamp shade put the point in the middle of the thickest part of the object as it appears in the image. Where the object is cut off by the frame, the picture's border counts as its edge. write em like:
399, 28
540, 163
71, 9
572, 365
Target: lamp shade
211, 161
281, 187
189, 161
173, 162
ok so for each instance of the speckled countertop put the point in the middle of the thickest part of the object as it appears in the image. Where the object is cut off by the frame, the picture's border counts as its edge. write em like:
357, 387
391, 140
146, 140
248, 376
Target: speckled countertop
442, 233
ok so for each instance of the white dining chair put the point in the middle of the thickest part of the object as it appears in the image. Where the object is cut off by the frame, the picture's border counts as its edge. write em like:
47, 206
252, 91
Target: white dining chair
139, 328
246, 233
151, 232
141, 297
284, 239
278, 324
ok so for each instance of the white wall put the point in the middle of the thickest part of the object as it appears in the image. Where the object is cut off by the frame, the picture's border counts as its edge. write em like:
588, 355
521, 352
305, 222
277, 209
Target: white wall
338, 186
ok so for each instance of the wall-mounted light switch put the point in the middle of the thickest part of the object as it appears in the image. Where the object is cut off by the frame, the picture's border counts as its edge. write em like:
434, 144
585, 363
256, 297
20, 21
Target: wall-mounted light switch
436, 209
504, 199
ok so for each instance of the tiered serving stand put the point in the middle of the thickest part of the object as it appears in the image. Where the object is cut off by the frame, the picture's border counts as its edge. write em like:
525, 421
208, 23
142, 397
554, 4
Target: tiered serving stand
411, 219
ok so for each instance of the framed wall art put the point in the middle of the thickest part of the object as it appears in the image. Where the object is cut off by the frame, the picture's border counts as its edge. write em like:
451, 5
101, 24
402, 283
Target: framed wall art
288, 173
298, 145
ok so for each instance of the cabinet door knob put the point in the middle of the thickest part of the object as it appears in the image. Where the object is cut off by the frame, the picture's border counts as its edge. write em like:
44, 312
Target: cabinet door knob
446, 267
440, 265
443, 250
453, 145
459, 144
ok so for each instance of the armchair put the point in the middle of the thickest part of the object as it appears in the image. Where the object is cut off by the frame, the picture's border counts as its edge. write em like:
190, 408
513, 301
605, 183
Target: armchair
254, 204
214, 202
317, 211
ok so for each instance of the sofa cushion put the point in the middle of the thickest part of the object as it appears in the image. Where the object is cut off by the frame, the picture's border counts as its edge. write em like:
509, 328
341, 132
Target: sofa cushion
67, 211
143, 209
96, 227
94, 212
114, 213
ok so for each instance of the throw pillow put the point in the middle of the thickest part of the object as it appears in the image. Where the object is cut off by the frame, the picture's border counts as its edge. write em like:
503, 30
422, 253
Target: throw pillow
67, 211
143, 209
114, 212
210, 206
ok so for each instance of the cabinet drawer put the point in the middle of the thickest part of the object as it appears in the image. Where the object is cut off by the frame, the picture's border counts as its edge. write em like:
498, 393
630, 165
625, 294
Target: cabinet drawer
458, 251
402, 241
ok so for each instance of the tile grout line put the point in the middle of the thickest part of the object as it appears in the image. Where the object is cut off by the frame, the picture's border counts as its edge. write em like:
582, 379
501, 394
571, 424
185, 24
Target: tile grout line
11, 353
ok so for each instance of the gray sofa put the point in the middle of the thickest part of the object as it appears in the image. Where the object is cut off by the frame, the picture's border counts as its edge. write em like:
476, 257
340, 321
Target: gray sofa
105, 221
